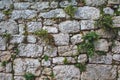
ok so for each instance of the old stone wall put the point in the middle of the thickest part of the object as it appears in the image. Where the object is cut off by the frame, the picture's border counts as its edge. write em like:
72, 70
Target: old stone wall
59, 40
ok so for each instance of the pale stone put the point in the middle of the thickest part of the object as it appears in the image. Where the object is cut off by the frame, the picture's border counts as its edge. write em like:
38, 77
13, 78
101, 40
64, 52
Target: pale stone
75, 39
47, 71
7, 68
5, 76
82, 58
31, 39
3, 43
46, 63
48, 22
5, 56
54, 4
116, 47
51, 29
116, 57
66, 3
116, 21
21, 5
108, 10
19, 78
2, 16
95, 2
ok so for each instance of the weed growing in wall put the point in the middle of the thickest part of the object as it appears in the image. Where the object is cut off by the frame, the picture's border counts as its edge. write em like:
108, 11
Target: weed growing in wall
29, 76
81, 66
4, 63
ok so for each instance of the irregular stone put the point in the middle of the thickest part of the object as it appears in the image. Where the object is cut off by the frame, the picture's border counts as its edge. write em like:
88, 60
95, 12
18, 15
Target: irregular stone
47, 71
61, 39
3, 43
21, 29
82, 58
9, 27
69, 26
87, 24
50, 51
87, 13
54, 4
46, 63
5, 56
21, 5
31, 39
60, 60
2, 16
75, 39
40, 6
7, 68
105, 59
108, 10
22, 66
116, 21
113, 1
95, 2
56, 13
1, 5
5, 76
66, 72
5, 4
67, 50
30, 50
17, 39
24, 14
19, 78
99, 72
101, 45
116, 57
48, 22
116, 47
51, 29
33, 26
66, 3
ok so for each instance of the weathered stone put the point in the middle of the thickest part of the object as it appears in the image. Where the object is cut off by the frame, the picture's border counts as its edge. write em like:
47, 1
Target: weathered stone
5, 56
24, 14
66, 3
19, 78
61, 39
87, 13
116, 57
9, 27
1, 16
21, 29
1, 5
87, 24
105, 59
54, 4
21, 66
30, 50
5, 76
48, 22
99, 72
113, 1
2, 43
31, 39
67, 50
50, 51
46, 63
33, 26
7, 68
47, 71
116, 47
95, 2
21, 5
116, 21
69, 27
108, 10
75, 39
102, 45
5, 4
66, 72
51, 29
60, 60
82, 58
17, 39
57, 13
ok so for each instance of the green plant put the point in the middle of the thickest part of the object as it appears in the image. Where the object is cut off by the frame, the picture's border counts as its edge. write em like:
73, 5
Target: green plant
70, 10
81, 66
65, 60
88, 43
6, 35
4, 63
52, 74
29, 76
7, 12
46, 57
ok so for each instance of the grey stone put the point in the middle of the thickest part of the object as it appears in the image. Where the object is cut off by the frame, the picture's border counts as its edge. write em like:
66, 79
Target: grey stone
101, 45
66, 3
61, 39
54, 4
75, 39
105, 59
82, 58
67, 50
108, 10
69, 26
46, 63
2, 16
95, 2
19, 78
21, 66
99, 72
48, 22
116, 21
113, 1
50, 51
5, 56
21, 29
66, 72
7, 68
1, 5
60, 60
116, 57
31, 39
3, 43
9, 27
5, 4
56, 13
116, 47
33, 26
47, 71
5, 76
51, 29
87, 13
87, 24
17, 39
24, 14
30, 50
21, 5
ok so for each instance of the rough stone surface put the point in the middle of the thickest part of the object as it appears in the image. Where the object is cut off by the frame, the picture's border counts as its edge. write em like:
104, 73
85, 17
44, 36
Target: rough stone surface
69, 27
51, 29
87, 13
21, 5
31, 39
4, 76
116, 57
66, 3
65, 72
99, 72
1, 16
116, 21
75, 39
17, 39
30, 50
116, 47
2, 43
108, 10
95, 2
82, 58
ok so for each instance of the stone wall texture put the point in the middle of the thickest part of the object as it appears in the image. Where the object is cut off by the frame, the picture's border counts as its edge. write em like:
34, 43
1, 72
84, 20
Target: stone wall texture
22, 52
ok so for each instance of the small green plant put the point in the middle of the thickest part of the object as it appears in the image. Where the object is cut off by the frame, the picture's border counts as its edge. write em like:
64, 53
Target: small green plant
81, 66
65, 60
52, 75
70, 10
7, 12
46, 57
4, 63
6, 35
29, 76
88, 43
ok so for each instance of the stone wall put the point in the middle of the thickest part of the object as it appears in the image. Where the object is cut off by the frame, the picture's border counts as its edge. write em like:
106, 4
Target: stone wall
57, 56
